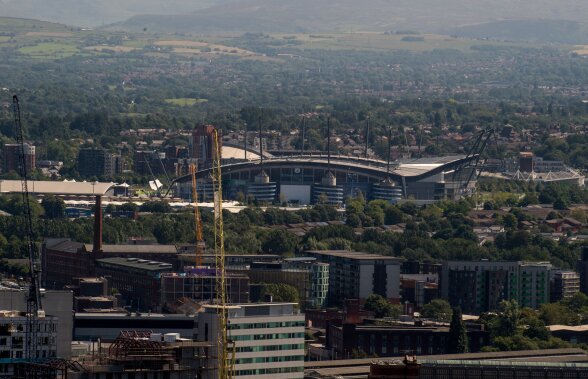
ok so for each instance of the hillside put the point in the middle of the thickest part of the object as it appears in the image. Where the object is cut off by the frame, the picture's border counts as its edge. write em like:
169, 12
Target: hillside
90, 13
346, 15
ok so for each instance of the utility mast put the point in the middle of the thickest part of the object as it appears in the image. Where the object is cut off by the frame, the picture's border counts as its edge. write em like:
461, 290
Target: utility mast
34, 306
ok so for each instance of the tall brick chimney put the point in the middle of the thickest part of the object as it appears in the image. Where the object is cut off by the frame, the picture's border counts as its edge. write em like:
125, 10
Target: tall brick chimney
98, 225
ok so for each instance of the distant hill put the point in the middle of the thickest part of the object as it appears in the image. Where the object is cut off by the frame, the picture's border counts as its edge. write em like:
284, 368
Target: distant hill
346, 15
91, 13
561, 31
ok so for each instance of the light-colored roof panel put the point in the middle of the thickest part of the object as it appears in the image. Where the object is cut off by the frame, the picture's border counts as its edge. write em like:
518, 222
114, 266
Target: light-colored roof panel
56, 188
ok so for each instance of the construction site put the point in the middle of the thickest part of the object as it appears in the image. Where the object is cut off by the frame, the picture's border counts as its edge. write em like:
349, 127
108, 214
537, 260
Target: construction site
30, 336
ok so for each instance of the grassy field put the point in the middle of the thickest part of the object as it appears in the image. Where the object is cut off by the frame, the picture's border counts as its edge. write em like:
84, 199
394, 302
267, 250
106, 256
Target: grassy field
185, 101
385, 42
50, 50
44, 40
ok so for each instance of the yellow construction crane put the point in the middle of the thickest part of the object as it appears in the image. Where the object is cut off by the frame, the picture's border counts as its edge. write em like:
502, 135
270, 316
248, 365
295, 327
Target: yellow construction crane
226, 361
197, 220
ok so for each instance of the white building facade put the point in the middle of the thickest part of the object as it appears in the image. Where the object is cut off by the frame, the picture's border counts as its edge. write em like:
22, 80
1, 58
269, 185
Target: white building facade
268, 340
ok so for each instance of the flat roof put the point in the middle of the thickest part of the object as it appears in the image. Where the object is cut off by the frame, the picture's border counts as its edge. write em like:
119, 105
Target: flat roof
135, 249
47, 187
356, 255
142, 264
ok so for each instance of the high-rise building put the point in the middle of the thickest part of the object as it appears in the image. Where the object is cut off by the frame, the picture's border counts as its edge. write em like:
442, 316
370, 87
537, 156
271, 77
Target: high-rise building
269, 340
202, 145
564, 284
480, 286
11, 157
98, 162
355, 275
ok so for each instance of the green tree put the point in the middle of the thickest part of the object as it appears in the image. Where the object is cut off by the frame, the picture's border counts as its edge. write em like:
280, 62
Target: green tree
54, 207
437, 309
280, 292
381, 307
457, 341
280, 242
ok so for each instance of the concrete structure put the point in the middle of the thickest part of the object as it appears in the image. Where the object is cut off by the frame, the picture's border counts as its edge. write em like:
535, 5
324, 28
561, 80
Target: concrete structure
136, 279
232, 261
269, 339
564, 284
355, 275
262, 189
309, 277
58, 307
200, 285
480, 286
12, 161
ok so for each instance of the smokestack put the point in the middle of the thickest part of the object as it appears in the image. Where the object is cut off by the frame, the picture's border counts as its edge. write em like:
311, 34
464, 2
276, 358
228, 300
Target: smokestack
98, 225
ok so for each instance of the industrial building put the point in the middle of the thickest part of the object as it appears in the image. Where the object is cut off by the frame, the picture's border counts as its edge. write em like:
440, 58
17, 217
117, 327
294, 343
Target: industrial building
268, 339
479, 287
356, 275
395, 340
136, 279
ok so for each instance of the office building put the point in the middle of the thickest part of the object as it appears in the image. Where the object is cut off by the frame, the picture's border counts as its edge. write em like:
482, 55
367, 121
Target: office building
12, 160
480, 286
356, 275
309, 277
564, 284
200, 284
269, 340
137, 280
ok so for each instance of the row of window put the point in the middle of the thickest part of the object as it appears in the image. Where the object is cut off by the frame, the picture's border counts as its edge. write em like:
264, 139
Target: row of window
267, 371
266, 325
255, 349
291, 358
274, 336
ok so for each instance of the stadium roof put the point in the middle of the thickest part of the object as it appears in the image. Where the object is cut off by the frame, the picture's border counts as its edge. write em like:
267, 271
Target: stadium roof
46, 187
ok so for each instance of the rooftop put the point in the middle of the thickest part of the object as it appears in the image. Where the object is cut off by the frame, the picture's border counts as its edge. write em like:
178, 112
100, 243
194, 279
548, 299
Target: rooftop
135, 249
142, 264
355, 255
57, 188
